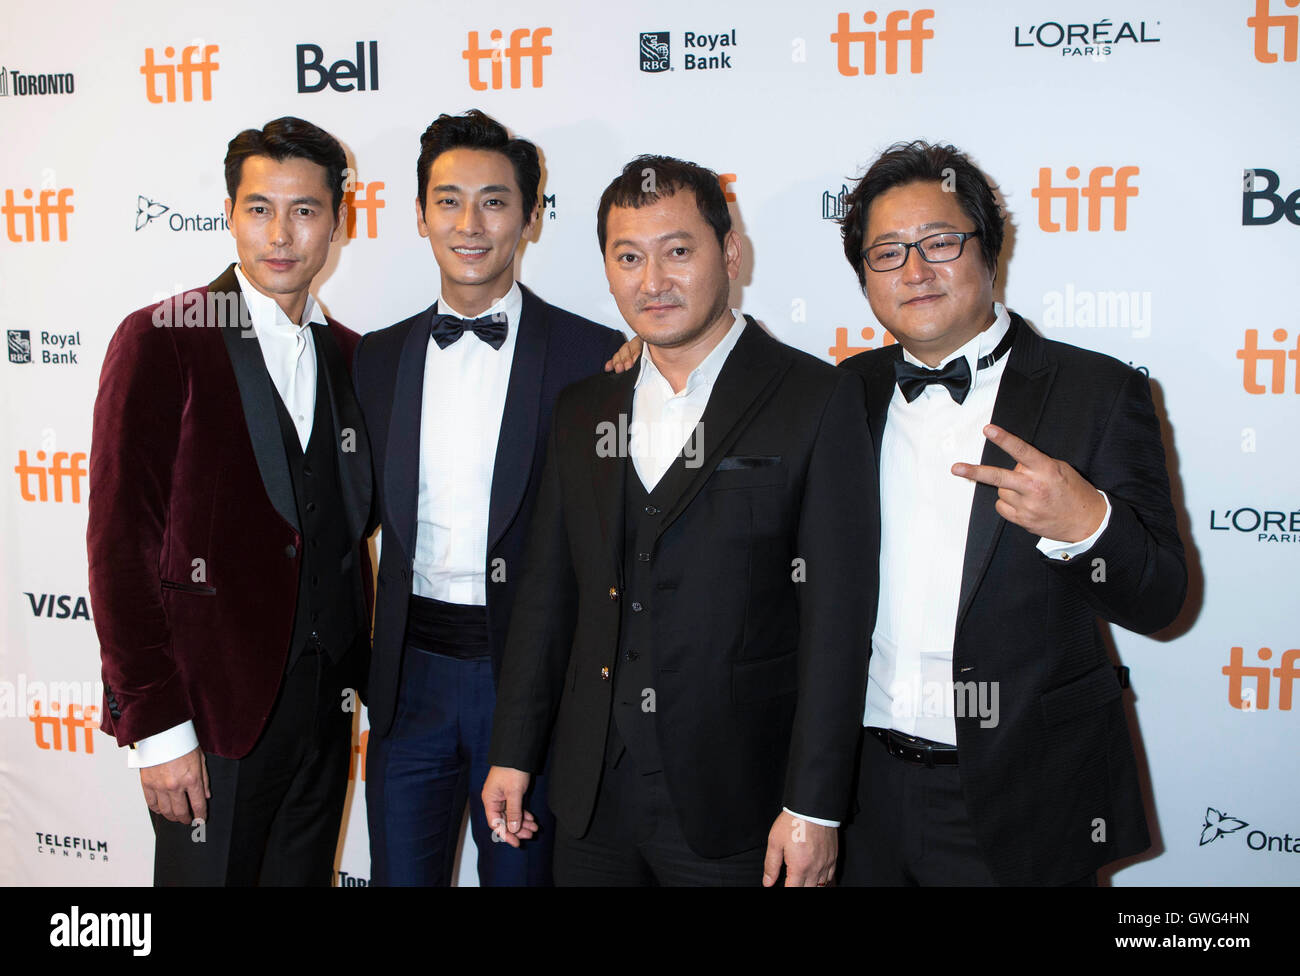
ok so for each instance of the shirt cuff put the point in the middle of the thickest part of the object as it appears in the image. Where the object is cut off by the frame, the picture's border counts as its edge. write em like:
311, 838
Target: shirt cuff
812, 820
1065, 551
154, 750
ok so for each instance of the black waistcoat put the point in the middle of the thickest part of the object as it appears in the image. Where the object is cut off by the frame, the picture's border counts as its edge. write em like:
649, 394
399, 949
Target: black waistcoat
329, 583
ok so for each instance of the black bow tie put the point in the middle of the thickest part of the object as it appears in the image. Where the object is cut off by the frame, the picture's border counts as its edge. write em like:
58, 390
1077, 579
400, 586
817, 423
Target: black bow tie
446, 329
912, 379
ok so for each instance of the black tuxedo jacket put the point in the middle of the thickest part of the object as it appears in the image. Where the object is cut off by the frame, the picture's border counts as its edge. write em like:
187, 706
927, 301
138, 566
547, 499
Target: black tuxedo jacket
552, 349
1052, 789
188, 463
759, 659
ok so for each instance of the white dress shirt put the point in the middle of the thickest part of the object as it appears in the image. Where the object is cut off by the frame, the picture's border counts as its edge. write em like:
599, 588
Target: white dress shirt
924, 516
463, 401
290, 356
662, 421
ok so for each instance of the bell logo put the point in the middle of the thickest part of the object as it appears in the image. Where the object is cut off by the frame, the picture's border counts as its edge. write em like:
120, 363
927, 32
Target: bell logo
893, 34
1263, 21
51, 203
524, 43
1257, 698
1095, 192
188, 67
62, 465
364, 197
1250, 355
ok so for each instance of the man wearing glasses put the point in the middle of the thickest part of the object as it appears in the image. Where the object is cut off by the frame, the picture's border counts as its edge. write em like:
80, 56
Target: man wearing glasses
995, 748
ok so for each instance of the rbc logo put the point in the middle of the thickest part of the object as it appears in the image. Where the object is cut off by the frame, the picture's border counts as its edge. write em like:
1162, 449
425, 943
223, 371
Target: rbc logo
890, 38
1095, 192
654, 51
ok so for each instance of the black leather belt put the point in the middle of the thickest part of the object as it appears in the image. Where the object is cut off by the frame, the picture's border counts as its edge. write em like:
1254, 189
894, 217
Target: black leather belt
913, 749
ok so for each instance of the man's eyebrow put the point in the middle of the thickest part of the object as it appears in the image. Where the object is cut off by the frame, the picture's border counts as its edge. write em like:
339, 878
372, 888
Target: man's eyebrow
684, 235
490, 188
893, 235
296, 201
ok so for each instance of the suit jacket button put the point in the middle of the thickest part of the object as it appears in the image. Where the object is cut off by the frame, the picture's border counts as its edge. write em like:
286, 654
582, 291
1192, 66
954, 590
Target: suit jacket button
604, 674
613, 592
291, 550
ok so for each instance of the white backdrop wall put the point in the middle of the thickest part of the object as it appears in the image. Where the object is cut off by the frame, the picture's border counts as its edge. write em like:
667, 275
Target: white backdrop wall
112, 194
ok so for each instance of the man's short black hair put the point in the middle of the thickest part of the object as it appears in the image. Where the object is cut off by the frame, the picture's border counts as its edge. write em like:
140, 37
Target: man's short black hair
288, 138
475, 130
647, 178
921, 162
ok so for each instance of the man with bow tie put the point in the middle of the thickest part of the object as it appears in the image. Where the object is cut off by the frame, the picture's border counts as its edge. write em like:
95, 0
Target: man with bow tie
458, 401
995, 748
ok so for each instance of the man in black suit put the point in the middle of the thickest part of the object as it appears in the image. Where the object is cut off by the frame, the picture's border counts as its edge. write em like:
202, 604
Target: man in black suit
690, 637
458, 424
995, 748
229, 498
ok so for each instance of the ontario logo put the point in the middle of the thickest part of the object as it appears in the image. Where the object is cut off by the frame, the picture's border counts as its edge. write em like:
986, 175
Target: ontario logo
147, 211
1218, 824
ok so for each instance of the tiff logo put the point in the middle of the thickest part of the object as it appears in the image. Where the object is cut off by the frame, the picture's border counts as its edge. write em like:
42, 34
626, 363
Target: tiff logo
60, 207
76, 717
524, 43
364, 196
890, 37
1095, 192
842, 350
188, 67
62, 465
1263, 21
1250, 355
1257, 698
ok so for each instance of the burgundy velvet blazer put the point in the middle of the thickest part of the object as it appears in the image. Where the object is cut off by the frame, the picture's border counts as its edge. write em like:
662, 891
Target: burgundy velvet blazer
193, 533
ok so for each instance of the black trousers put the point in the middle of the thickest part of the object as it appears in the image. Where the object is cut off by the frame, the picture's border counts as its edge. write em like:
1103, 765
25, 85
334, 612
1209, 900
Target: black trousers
274, 815
911, 826
635, 839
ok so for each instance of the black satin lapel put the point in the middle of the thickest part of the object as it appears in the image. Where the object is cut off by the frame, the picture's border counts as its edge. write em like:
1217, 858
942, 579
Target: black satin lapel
1022, 395
517, 440
402, 460
257, 396
752, 369
880, 390
349, 430
609, 459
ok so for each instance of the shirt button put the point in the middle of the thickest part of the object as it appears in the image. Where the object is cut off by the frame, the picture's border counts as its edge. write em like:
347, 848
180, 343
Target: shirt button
651, 510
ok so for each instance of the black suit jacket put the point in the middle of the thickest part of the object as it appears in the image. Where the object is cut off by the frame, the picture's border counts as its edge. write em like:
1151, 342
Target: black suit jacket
760, 665
1052, 789
188, 464
552, 349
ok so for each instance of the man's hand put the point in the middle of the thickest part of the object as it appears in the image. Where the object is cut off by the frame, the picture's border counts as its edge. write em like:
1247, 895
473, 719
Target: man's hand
503, 802
178, 790
626, 356
1042, 495
808, 849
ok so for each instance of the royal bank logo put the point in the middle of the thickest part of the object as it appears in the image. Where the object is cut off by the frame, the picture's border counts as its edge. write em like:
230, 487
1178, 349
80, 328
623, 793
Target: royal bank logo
20, 346
13, 81
655, 51
147, 211
1096, 40
835, 205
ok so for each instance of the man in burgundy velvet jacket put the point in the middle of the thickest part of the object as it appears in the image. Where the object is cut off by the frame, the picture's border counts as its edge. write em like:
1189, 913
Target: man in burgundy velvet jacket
229, 504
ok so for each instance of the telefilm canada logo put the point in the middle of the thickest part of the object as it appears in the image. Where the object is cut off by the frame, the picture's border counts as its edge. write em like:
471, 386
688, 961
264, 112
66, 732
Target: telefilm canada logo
1219, 824
16, 82
66, 845
700, 52
148, 210
1095, 40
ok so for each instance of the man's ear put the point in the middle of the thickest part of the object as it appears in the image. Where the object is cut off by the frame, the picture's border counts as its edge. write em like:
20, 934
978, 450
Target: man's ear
420, 225
230, 210
340, 221
731, 252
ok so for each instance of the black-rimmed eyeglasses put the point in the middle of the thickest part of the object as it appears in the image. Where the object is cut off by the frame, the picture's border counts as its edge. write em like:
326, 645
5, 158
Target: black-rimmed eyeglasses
935, 249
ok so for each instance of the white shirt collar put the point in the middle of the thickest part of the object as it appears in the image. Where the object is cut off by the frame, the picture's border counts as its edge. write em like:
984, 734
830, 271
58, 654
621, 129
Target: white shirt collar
267, 313
511, 303
978, 347
706, 373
